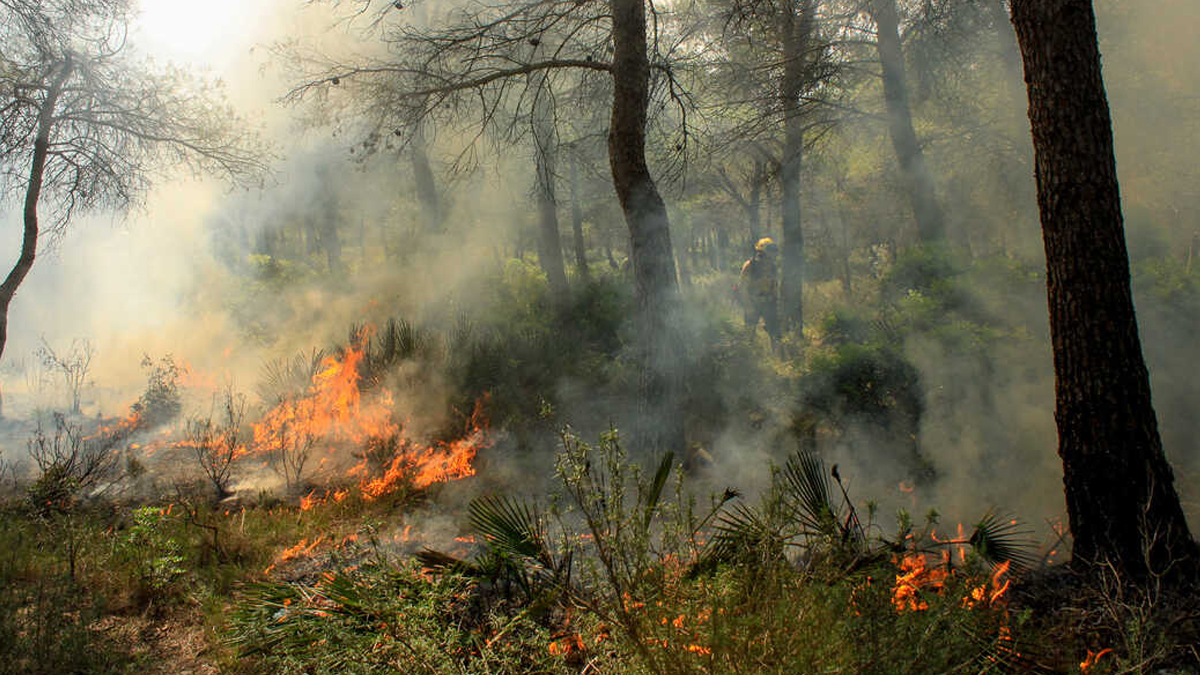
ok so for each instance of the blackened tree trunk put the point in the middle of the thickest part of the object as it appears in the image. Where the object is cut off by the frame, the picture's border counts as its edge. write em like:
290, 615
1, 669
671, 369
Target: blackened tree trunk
913, 168
1120, 496
550, 254
653, 261
794, 34
580, 246
33, 192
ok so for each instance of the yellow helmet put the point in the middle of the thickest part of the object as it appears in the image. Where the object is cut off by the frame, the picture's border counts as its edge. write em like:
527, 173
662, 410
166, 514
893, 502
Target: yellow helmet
766, 245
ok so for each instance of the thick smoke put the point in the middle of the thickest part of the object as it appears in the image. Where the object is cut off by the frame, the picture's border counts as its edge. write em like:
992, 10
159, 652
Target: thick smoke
165, 281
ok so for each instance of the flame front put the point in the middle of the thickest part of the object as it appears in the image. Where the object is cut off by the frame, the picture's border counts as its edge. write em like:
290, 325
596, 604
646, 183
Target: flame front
332, 411
335, 414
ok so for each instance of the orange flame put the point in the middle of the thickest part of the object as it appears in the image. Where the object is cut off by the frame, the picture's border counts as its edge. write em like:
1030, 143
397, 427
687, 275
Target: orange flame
332, 410
302, 548
916, 576
566, 644
992, 592
1086, 665
335, 413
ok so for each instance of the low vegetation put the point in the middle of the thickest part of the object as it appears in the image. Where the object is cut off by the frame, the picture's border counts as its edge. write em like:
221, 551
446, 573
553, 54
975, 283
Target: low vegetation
624, 564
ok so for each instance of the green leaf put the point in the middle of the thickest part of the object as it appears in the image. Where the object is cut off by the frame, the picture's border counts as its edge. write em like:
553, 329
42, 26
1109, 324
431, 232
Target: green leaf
656, 488
510, 526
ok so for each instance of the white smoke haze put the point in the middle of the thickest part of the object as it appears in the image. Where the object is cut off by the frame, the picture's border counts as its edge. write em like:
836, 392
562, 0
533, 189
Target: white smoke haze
161, 282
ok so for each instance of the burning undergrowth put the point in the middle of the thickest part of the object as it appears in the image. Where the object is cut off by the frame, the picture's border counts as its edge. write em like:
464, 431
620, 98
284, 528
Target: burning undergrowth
340, 432
618, 569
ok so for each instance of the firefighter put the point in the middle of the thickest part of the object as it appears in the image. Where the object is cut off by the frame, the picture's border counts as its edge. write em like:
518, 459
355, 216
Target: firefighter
758, 290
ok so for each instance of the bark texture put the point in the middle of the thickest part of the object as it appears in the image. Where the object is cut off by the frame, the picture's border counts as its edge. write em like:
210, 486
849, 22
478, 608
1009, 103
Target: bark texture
915, 171
1120, 496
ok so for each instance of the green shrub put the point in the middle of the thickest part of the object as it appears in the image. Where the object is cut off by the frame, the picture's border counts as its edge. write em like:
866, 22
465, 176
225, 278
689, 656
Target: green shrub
46, 616
154, 553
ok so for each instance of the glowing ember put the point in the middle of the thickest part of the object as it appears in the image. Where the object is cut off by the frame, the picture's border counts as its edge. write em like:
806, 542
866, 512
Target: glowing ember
1086, 665
566, 645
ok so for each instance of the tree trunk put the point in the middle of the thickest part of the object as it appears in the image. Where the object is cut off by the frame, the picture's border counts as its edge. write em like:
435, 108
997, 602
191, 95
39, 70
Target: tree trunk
549, 242
754, 205
794, 34
1120, 496
918, 181
722, 247
656, 287
33, 192
330, 240
427, 194
577, 219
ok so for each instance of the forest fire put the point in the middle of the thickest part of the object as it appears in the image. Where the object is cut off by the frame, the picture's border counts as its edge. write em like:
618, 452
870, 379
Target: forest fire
1088, 663
301, 549
992, 592
332, 410
119, 427
915, 577
335, 413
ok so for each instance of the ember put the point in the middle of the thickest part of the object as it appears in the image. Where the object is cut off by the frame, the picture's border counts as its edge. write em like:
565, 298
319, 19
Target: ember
1087, 664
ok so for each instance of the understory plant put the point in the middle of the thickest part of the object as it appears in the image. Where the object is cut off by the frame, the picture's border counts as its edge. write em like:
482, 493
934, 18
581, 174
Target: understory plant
623, 572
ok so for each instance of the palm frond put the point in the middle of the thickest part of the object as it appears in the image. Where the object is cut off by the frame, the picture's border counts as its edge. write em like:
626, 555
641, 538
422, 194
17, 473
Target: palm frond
741, 535
511, 527
284, 378
807, 488
398, 341
999, 653
656, 487
998, 538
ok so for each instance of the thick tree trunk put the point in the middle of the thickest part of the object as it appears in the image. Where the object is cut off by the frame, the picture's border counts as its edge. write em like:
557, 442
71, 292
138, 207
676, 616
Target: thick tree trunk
1120, 496
580, 246
662, 356
794, 34
549, 242
918, 181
